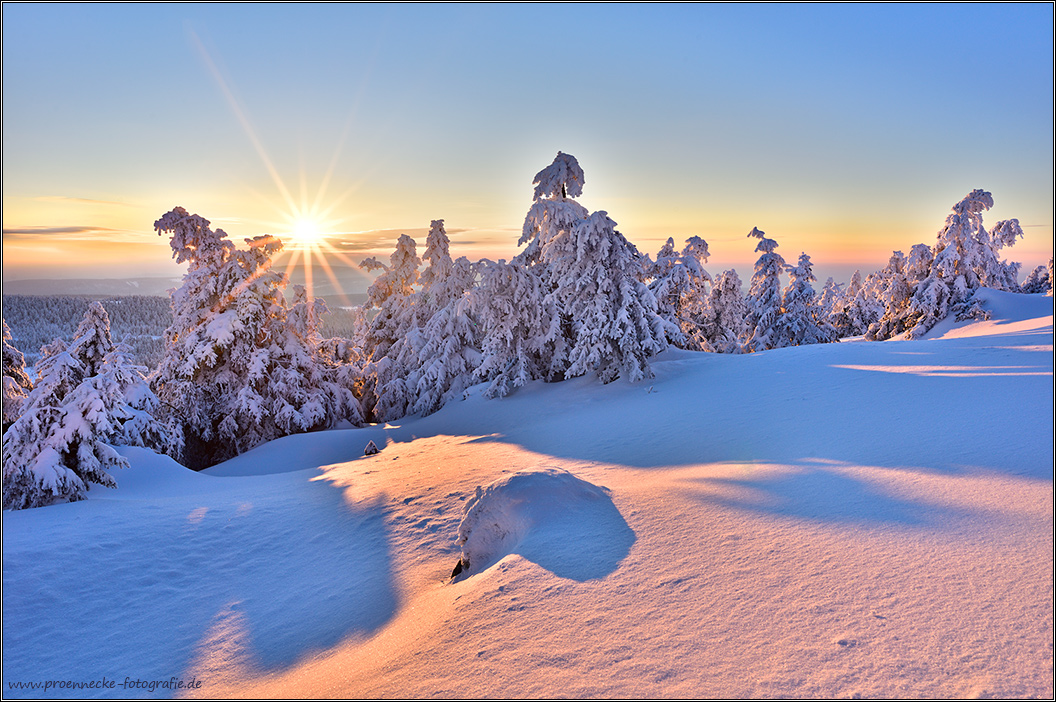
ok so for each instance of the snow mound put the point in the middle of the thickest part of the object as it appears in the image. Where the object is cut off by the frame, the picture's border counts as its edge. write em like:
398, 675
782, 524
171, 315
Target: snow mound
549, 516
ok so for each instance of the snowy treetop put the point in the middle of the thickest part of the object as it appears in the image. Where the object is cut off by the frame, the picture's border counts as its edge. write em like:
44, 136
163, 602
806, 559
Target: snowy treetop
765, 245
562, 178
192, 239
975, 201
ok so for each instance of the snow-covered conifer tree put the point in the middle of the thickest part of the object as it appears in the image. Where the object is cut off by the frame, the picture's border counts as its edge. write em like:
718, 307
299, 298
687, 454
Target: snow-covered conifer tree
450, 351
92, 341
800, 322
519, 325
846, 314
393, 338
764, 295
892, 291
723, 322
16, 382
58, 445
680, 285
615, 327
830, 299
234, 372
1039, 282
964, 258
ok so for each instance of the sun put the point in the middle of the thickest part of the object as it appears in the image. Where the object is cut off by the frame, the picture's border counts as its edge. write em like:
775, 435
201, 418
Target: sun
306, 233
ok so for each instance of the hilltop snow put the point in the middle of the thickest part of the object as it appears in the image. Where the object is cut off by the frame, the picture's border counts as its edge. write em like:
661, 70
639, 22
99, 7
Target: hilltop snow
867, 519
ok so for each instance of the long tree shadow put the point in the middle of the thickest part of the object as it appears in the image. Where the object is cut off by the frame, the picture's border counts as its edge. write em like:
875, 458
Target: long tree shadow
159, 588
809, 491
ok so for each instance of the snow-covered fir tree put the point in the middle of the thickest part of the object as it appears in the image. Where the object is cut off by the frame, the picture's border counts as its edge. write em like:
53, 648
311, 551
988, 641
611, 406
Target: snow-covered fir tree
846, 314
800, 322
58, 445
450, 353
614, 324
1038, 282
764, 295
593, 278
891, 293
17, 383
963, 258
236, 373
830, 300
92, 341
393, 338
520, 326
722, 325
681, 288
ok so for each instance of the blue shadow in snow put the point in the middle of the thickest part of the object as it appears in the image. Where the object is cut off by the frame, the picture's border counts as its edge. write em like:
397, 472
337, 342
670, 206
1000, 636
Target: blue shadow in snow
822, 495
580, 546
290, 571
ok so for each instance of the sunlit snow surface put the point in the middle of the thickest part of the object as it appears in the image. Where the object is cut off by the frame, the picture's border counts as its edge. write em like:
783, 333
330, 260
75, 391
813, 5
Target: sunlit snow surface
824, 521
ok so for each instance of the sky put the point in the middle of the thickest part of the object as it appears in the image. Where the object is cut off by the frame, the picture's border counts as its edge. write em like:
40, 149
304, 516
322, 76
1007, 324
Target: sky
845, 131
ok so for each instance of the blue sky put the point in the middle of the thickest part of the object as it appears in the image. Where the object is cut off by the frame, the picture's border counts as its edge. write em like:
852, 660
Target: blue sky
842, 130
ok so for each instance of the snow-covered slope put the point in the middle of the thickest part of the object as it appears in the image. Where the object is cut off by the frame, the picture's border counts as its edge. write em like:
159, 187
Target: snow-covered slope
854, 518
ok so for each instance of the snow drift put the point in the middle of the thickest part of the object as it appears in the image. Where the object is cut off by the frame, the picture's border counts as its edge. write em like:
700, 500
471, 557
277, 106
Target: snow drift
549, 516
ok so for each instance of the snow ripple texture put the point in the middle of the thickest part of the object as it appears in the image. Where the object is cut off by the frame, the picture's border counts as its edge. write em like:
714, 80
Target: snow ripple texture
548, 516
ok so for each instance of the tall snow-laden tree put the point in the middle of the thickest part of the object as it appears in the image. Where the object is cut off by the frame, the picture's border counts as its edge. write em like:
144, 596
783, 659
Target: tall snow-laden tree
58, 446
800, 322
680, 285
236, 373
723, 323
450, 356
92, 341
520, 327
451, 335
393, 338
764, 295
17, 383
830, 299
847, 315
587, 267
963, 258
615, 327
547, 237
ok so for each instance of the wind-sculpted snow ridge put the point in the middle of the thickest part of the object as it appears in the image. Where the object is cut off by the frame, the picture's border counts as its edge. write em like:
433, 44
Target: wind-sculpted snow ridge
549, 516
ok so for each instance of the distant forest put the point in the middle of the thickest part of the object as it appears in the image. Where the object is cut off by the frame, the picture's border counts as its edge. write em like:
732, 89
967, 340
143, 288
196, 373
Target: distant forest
37, 320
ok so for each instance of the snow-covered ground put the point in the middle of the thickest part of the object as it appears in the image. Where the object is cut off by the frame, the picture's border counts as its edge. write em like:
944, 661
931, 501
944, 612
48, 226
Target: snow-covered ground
870, 519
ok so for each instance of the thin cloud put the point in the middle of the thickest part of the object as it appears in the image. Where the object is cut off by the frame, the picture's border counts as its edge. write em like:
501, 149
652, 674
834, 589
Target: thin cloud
80, 200
69, 232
